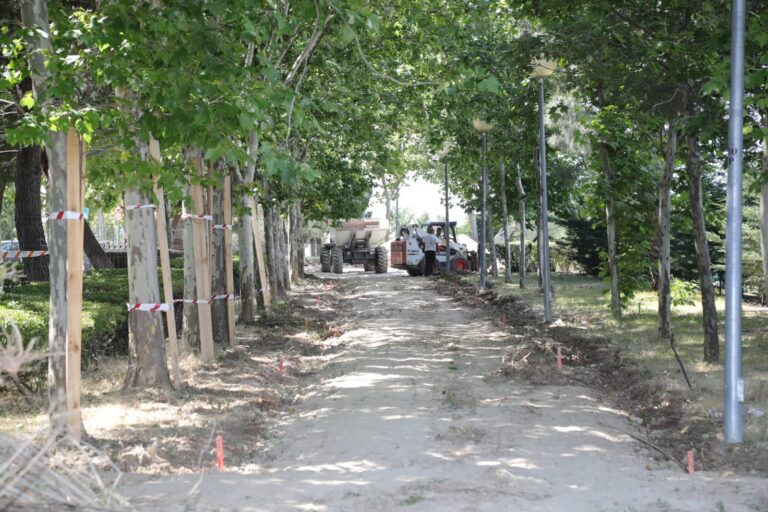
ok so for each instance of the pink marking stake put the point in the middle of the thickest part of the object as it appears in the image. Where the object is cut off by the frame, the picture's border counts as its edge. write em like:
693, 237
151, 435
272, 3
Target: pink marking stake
282, 367
559, 359
691, 465
220, 452
503, 320
318, 301
306, 323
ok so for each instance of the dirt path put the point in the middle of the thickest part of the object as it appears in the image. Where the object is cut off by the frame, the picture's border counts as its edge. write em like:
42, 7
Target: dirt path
411, 414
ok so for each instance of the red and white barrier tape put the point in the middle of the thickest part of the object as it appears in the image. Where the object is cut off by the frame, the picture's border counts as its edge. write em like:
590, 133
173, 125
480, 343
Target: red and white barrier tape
139, 206
65, 215
197, 217
169, 307
150, 307
23, 254
227, 227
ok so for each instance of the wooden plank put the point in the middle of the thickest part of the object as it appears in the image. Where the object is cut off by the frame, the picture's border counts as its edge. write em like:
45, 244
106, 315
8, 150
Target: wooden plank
202, 268
260, 253
165, 265
230, 271
75, 191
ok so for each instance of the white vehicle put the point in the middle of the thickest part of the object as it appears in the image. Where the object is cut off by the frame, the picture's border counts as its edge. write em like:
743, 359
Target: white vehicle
407, 251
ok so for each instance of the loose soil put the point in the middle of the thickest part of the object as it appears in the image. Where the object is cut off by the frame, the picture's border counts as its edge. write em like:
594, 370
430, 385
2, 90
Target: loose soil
409, 393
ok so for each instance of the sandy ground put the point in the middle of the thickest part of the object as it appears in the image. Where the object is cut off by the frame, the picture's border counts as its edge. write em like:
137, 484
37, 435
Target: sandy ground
412, 414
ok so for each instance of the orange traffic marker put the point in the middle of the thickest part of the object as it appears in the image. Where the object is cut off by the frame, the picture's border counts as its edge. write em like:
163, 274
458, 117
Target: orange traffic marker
559, 359
220, 452
691, 465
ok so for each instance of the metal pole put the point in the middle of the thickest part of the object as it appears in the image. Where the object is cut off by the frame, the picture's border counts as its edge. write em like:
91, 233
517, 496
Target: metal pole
545, 275
734, 381
397, 214
447, 226
483, 269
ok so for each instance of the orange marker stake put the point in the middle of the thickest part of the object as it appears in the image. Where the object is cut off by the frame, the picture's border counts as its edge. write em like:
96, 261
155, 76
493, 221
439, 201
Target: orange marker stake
691, 466
318, 301
282, 367
559, 359
503, 320
306, 322
220, 452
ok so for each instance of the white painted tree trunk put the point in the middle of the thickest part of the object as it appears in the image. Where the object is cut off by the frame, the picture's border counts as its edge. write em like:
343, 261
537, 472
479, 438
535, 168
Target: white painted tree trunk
148, 364
190, 326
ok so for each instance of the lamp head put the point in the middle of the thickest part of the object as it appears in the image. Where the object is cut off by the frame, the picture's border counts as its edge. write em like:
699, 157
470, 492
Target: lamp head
481, 125
542, 68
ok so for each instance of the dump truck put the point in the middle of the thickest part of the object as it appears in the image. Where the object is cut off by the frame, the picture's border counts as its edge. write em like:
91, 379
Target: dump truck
407, 250
356, 242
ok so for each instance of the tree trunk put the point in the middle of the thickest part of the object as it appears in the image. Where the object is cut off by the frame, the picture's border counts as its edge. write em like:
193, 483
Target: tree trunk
34, 13
473, 232
29, 224
278, 258
665, 203
219, 273
96, 255
297, 243
610, 221
505, 217
146, 342
540, 220
492, 241
521, 212
247, 263
190, 325
709, 311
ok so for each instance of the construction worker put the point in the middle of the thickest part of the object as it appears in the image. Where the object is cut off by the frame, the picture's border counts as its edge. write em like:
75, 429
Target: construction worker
430, 250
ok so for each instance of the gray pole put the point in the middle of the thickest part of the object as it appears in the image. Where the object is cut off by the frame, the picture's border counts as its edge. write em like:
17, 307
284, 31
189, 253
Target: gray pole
447, 225
397, 214
734, 381
483, 269
545, 275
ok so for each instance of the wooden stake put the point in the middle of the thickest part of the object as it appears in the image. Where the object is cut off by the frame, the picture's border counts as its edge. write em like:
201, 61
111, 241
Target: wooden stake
202, 268
165, 265
228, 259
260, 253
75, 189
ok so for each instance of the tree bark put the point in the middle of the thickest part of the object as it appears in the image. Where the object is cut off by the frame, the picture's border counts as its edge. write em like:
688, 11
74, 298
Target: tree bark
29, 224
34, 13
505, 216
610, 221
219, 273
146, 342
492, 241
473, 233
190, 324
665, 202
96, 255
521, 212
297, 243
709, 311
247, 267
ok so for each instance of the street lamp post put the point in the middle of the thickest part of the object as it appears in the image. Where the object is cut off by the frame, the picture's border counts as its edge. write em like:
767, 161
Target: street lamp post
483, 127
447, 223
541, 70
734, 380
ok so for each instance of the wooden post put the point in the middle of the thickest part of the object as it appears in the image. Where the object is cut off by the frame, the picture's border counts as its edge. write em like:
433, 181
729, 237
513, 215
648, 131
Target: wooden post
260, 253
202, 267
75, 191
228, 259
165, 265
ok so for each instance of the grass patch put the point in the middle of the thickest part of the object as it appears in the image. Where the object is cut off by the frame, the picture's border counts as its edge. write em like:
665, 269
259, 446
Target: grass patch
105, 293
584, 302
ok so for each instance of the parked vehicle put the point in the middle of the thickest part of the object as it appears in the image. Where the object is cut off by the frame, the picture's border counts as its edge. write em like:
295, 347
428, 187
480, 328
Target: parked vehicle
407, 251
356, 242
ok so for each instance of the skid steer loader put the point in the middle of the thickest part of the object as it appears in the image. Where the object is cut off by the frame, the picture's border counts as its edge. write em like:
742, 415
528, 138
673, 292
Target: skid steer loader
407, 251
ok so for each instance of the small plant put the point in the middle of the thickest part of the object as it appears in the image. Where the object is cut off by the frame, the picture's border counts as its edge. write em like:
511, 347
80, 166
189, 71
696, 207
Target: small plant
683, 292
412, 500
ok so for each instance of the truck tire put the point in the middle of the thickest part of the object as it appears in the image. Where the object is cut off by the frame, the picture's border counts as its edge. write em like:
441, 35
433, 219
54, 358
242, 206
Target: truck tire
459, 265
337, 260
382, 260
325, 259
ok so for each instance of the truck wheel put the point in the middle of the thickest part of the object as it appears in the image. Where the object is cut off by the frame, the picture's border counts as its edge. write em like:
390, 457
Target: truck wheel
337, 257
459, 265
382, 259
325, 259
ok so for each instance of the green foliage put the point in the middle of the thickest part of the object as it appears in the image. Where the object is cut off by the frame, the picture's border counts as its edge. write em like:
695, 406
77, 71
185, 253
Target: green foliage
684, 293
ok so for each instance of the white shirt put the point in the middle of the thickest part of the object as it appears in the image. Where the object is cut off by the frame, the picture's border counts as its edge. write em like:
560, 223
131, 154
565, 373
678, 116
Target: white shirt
430, 241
